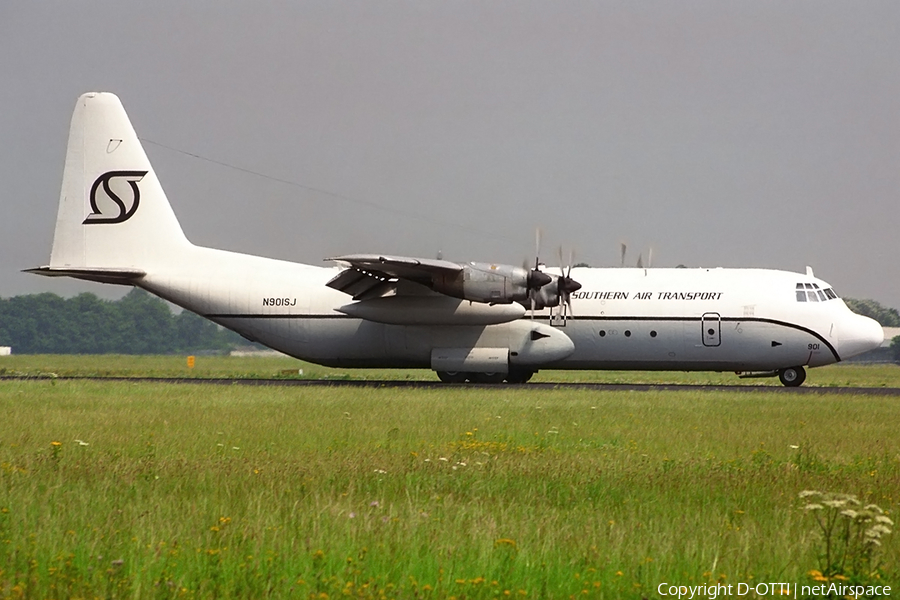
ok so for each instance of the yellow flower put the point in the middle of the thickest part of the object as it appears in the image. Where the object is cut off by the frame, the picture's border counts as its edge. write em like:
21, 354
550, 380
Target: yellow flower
56, 444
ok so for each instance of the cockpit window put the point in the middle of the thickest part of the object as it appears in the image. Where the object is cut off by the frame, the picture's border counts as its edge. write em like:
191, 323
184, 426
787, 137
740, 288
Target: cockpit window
810, 292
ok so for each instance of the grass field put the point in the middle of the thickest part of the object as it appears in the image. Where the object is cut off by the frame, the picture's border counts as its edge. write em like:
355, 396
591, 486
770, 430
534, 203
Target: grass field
882, 375
140, 490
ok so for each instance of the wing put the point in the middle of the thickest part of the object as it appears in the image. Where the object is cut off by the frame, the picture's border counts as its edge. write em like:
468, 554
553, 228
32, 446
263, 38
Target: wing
374, 275
395, 290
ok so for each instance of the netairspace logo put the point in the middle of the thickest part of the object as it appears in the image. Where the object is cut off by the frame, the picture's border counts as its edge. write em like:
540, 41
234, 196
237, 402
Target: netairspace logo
778, 589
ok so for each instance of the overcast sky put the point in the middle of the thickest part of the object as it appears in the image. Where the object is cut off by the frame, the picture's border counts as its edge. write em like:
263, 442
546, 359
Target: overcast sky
736, 134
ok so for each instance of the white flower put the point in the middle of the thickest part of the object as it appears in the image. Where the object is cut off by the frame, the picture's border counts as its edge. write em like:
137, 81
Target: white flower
883, 519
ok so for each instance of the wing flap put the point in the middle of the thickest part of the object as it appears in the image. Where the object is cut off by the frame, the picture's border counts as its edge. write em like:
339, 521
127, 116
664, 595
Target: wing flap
362, 285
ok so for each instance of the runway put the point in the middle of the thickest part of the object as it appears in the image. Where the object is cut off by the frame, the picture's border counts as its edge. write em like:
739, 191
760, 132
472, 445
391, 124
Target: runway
599, 387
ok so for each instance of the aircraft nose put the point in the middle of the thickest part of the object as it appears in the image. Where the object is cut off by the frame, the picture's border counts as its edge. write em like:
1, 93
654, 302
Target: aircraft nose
859, 334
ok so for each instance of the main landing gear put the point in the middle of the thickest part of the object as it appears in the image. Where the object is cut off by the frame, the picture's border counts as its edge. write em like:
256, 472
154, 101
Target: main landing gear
514, 376
792, 376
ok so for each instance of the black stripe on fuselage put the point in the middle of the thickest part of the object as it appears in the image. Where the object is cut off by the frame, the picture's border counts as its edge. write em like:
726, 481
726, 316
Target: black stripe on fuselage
815, 334
723, 319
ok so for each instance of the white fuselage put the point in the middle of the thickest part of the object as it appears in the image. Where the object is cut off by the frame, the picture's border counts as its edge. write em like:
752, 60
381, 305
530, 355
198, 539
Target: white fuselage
663, 319
115, 225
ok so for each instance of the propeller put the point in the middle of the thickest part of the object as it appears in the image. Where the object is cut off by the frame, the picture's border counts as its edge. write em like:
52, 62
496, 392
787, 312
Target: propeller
624, 249
565, 285
536, 278
640, 261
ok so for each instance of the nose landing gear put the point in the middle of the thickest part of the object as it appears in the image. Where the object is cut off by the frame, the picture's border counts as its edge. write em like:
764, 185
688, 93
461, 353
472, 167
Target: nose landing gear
792, 376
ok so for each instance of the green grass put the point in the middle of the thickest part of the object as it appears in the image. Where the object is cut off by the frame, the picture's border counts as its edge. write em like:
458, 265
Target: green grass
218, 491
882, 375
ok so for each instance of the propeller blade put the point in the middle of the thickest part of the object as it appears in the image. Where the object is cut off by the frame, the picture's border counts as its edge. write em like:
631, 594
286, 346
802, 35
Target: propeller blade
650, 258
640, 262
624, 248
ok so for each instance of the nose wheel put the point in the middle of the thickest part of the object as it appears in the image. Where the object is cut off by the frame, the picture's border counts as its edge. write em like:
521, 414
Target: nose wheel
792, 376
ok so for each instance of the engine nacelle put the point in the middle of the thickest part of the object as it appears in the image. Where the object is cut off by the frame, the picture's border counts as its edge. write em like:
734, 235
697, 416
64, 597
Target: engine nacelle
487, 282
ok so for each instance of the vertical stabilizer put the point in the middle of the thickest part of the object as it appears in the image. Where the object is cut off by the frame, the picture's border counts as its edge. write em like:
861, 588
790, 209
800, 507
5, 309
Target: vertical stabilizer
113, 213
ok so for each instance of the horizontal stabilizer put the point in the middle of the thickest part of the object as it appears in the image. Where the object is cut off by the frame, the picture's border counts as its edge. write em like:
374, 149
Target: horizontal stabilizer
100, 275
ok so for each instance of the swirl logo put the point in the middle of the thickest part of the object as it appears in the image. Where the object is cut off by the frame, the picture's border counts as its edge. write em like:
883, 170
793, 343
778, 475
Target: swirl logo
113, 200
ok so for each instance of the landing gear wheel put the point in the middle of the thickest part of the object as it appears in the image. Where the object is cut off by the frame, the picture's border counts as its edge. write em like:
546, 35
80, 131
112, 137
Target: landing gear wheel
792, 376
487, 377
519, 376
452, 376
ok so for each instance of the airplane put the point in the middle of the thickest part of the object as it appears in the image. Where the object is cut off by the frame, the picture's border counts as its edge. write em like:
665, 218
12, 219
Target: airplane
469, 322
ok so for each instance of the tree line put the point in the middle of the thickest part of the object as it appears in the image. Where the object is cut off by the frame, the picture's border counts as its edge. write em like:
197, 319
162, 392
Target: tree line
888, 317
137, 323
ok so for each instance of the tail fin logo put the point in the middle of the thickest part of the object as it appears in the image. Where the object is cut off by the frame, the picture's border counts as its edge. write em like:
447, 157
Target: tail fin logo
126, 207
